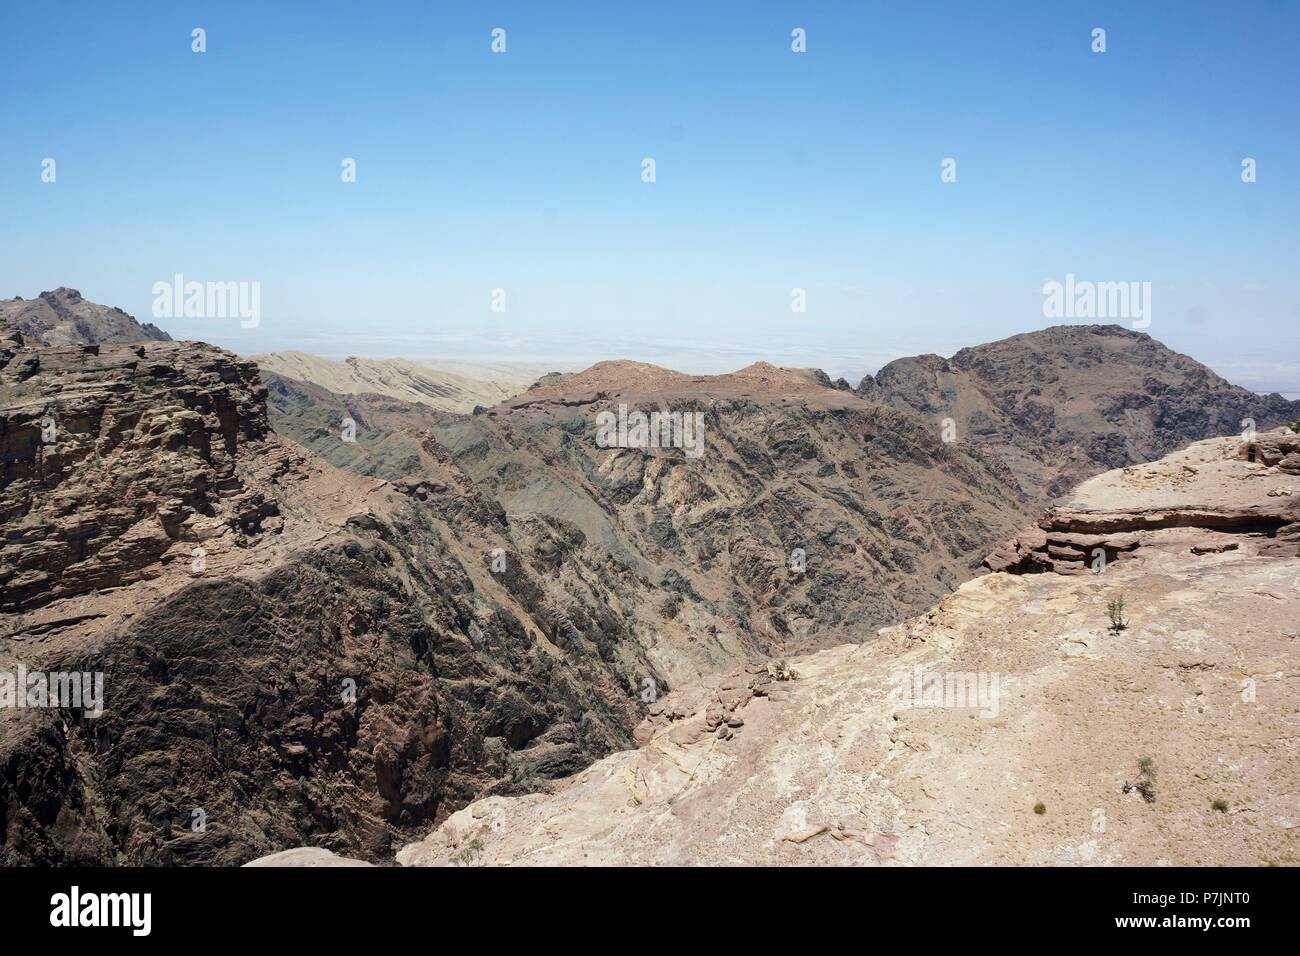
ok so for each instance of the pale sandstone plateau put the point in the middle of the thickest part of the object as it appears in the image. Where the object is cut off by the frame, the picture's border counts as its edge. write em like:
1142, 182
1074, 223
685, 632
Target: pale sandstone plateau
473, 636
448, 386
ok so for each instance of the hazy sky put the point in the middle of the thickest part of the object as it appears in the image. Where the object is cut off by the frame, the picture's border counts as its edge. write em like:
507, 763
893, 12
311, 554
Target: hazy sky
775, 170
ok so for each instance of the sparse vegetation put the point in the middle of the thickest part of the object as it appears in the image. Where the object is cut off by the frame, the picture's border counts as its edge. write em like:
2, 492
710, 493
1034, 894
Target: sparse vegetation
1040, 808
14, 394
1220, 805
1115, 611
524, 778
469, 853
1146, 782
782, 671
1295, 425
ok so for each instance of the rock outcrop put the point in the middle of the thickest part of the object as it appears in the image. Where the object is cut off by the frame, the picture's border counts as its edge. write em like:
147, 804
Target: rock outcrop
1016, 722
305, 856
119, 459
1212, 490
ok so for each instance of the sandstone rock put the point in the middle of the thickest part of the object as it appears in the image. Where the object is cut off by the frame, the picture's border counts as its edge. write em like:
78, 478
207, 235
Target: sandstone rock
305, 856
1204, 490
97, 477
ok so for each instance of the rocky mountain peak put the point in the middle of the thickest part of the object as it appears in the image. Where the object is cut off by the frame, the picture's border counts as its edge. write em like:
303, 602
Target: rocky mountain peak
63, 317
1057, 405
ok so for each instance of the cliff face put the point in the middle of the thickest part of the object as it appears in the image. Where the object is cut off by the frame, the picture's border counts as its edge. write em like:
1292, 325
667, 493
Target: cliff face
1022, 720
290, 653
118, 460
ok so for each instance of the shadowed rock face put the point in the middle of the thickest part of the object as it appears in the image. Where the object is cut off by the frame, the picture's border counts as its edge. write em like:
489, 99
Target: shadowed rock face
63, 317
1062, 404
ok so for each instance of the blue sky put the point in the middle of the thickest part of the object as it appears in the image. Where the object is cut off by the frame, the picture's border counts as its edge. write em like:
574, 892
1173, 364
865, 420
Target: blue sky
775, 170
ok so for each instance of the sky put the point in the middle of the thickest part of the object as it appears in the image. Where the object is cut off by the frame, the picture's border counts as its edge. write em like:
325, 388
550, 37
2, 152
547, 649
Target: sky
774, 170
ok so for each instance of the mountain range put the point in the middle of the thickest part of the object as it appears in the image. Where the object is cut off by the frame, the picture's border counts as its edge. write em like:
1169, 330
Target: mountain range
335, 603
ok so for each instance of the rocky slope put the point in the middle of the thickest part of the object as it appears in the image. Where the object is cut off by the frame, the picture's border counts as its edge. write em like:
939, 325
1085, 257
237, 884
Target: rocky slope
63, 317
291, 653
387, 431
863, 483
761, 543
1169, 740
1061, 404
113, 456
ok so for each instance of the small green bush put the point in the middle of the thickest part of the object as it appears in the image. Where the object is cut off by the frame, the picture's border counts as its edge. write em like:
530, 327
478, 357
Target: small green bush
1220, 805
1115, 611
471, 851
1040, 808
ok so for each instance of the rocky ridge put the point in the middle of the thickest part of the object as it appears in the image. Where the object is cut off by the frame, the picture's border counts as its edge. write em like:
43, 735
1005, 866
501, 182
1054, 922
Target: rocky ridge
1061, 404
1202, 488
811, 516
756, 547
508, 598
414, 382
862, 483
63, 317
